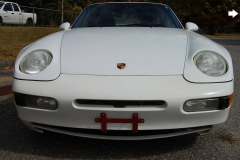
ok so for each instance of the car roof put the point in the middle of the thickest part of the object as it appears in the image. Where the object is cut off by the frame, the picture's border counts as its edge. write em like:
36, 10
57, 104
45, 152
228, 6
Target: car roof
8, 2
128, 2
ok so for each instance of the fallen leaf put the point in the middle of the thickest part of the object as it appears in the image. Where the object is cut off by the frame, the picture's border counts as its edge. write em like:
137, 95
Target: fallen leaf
6, 68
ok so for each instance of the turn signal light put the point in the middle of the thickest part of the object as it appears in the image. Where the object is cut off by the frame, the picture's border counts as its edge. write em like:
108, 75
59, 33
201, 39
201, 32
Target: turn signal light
230, 99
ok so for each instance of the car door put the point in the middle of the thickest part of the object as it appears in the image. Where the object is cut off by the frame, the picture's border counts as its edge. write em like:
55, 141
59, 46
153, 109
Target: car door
8, 13
17, 14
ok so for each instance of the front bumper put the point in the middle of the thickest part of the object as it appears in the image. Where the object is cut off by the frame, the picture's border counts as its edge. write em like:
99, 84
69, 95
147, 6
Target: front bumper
174, 90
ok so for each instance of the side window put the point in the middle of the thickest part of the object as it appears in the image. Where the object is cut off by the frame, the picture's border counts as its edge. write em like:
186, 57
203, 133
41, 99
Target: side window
1, 4
8, 7
16, 9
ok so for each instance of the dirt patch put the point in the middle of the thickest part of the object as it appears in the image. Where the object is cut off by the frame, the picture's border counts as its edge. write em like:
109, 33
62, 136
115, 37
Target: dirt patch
6, 90
227, 137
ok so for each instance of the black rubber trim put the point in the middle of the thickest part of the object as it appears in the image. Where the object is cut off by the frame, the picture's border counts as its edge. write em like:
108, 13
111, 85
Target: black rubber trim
20, 99
121, 103
223, 102
122, 132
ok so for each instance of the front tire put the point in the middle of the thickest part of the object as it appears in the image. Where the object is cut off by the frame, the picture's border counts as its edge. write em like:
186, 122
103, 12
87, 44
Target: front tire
1, 21
29, 22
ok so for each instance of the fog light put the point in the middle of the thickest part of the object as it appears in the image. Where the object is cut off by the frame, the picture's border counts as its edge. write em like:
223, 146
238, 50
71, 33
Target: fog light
41, 102
208, 104
201, 105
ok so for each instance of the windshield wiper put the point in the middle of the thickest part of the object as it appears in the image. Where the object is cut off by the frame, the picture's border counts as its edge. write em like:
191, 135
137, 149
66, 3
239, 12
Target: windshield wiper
145, 25
128, 25
105, 25
156, 25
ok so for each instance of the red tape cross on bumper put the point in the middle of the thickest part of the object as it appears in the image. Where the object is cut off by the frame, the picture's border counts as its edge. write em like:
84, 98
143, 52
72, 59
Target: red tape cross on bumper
104, 120
5, 90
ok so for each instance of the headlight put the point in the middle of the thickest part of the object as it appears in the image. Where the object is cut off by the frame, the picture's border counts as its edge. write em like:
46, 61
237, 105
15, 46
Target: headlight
35, 61
211, 63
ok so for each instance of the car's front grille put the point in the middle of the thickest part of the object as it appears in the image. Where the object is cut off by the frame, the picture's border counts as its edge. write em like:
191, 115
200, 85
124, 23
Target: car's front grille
121, 103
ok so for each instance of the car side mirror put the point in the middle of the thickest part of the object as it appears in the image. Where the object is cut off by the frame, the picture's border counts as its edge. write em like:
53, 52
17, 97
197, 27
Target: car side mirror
65, 26
189, 26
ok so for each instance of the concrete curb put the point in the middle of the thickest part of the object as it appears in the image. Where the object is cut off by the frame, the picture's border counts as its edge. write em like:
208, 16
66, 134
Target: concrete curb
7, 72
7, 63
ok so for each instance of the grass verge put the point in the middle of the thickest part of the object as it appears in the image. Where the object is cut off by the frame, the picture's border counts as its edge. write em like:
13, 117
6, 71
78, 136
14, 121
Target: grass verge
14, 38
222, 35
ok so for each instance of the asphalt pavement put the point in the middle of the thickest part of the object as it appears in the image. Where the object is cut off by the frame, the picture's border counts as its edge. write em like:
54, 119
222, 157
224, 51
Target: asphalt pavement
18, 142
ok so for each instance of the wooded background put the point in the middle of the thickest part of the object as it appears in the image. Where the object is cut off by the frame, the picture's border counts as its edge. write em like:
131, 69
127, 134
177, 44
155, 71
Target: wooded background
210, 15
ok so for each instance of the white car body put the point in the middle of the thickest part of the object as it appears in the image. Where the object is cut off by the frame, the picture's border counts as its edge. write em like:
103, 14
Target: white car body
15, 15
159, 66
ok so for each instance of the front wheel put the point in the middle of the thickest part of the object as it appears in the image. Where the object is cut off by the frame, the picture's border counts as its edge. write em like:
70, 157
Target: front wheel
1, 21
29, 22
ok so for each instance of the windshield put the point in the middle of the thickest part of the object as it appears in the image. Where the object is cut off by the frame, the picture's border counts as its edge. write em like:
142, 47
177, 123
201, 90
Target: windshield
1, 4
127, 14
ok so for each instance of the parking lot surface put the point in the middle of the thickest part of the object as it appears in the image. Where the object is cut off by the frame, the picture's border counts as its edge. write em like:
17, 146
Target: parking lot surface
18, 142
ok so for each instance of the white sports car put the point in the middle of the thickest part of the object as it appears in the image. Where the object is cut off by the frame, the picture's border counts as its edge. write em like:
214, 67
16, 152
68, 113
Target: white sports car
124, 71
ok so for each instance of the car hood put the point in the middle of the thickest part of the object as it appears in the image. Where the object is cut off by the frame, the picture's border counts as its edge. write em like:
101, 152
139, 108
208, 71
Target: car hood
144, 50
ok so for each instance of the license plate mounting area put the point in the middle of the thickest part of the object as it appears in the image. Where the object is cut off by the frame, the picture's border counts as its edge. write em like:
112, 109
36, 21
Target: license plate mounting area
104, 120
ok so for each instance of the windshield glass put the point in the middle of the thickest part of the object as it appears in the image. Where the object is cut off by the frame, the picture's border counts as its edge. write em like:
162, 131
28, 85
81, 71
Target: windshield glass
127, 14
1, 4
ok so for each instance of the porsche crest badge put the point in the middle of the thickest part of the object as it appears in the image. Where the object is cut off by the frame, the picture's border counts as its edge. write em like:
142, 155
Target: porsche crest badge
121, 65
